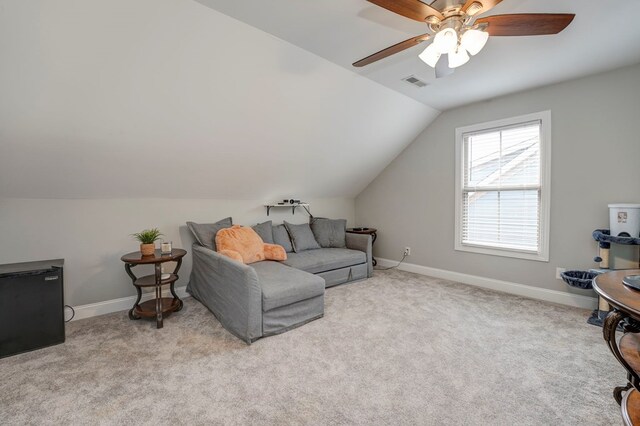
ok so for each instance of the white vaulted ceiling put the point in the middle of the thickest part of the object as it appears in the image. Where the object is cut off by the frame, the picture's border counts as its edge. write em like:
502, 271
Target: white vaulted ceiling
170, 98
247, 99
603, 36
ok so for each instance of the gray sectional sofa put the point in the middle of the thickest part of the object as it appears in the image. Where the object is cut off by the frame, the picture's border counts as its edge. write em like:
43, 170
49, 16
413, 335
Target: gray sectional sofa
268, 297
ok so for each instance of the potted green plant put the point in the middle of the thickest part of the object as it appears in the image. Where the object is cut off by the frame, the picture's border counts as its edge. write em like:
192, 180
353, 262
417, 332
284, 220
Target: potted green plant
147, 239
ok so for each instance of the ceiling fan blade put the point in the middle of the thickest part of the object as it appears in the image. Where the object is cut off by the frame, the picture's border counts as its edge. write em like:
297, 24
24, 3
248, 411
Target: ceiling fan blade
484, 4
412, 9
526, 24
392, 50
442, 67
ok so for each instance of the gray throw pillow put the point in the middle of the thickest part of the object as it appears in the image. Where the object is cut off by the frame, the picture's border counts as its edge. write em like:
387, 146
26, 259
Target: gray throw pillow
301, 237
281, 237
265, 231
205, 233
330, 232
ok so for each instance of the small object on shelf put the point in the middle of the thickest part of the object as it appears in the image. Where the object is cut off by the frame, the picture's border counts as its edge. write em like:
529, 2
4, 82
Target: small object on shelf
165, 247
147, 239
147, 249
632, 281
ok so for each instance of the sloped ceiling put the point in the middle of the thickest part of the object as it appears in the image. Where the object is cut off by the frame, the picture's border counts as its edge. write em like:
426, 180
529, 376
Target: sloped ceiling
604, 35
170, 98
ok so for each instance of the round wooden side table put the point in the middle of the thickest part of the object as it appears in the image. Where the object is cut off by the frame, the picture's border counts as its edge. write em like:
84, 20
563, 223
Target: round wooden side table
366, 231
158, 306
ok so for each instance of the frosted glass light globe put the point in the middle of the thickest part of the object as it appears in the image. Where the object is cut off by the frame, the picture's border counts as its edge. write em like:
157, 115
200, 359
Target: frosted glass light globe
430, 56
474, 40
446, 40
458, 57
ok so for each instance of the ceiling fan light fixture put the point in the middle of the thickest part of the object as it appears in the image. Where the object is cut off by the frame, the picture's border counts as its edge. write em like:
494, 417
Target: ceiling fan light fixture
445, 40
474, 40
430, 55
457, 29
458, 57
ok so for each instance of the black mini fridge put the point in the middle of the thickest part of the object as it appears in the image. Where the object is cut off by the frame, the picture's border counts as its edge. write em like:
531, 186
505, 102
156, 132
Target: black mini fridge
31, 306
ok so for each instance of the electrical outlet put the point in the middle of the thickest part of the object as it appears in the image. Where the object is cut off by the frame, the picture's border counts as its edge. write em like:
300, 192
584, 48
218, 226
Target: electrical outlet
407, 251
558, 272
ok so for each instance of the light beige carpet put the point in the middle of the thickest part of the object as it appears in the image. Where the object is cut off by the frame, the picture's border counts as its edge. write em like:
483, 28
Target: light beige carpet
396, 349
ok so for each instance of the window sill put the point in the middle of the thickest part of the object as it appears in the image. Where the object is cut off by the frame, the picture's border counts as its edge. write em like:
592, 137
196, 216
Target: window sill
495, 251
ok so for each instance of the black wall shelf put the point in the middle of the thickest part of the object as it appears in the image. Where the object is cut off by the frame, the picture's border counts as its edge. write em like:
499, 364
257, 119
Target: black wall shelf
291, 206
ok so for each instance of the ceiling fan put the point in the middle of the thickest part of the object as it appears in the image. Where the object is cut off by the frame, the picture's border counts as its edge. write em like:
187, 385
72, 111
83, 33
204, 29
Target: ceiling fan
456, 32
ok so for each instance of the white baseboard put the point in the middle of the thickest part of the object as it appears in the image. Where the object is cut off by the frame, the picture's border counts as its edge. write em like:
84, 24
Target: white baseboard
555, 296
576, 300
116, 305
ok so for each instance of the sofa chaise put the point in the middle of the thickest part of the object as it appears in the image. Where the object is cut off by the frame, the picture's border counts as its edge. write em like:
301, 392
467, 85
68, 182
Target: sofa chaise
269, 297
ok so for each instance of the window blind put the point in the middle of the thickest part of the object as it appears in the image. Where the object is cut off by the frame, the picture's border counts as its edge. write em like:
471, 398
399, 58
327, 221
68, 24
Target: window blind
502, 187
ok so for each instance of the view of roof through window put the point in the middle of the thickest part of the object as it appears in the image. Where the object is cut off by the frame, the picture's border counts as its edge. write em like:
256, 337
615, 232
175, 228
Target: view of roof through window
508, 156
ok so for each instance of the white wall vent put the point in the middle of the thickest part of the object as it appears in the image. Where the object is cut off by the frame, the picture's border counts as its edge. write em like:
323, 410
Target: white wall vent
415, 81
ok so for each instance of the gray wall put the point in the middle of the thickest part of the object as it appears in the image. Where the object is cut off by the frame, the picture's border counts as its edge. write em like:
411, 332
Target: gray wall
92, 234
594, 120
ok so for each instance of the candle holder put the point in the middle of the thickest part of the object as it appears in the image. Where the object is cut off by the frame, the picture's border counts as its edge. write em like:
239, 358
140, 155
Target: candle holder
165, 247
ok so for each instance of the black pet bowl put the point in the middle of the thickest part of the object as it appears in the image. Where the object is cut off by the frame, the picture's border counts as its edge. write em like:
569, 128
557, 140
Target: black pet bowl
579, 279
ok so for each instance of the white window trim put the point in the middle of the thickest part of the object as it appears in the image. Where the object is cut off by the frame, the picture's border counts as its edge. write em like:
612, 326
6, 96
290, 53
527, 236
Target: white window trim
545, 180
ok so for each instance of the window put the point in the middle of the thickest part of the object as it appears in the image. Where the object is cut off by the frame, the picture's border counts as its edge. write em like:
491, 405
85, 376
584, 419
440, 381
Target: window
502, 187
